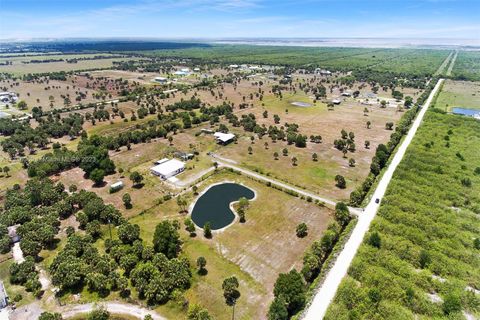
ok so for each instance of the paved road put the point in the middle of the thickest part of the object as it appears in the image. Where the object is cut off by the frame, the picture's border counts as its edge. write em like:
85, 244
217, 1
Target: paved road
452, 63
326, 293
278, 183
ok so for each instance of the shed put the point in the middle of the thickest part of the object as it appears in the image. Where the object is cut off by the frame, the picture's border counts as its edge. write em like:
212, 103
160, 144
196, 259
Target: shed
116, 186
336, 101
224, 138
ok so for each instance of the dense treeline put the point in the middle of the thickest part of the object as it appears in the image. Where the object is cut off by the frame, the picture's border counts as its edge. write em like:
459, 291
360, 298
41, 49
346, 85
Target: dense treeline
421, 257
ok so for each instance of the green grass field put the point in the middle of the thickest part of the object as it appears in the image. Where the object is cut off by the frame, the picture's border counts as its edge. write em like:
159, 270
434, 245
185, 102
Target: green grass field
464, 94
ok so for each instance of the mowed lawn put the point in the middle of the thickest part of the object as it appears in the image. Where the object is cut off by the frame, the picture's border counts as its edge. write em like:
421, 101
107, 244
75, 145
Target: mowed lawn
463, 94
255, 251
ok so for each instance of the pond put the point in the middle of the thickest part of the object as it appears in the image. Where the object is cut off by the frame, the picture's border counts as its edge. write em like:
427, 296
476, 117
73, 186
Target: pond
214, 204
301, 104
466, 112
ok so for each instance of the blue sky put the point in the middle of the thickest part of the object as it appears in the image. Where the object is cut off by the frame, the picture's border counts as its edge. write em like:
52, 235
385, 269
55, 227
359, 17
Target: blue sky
239, 18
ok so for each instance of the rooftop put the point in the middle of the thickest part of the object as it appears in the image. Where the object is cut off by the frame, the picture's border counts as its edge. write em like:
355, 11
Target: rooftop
166, 166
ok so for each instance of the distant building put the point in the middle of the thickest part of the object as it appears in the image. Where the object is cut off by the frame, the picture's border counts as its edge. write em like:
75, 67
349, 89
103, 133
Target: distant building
323, 72
183, 155
167, 168
8, 97
336, 101
224, 138
196, 69
346, 94
233, 66
161, 80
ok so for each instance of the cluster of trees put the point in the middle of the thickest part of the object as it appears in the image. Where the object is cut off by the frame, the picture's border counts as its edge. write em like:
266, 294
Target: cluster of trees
155, 271
21, 135
290, 289
91, 156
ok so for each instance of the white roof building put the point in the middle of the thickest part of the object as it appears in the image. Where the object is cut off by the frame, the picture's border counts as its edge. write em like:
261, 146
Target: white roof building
161, 79
167, 168
224, 138
118, 184
336, 101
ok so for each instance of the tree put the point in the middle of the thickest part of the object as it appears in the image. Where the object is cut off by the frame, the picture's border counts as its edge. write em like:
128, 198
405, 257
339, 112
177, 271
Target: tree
99, 314
170, 140
367, 144
128, 233
195, 190
196, 312
340, 181
182, 204
291, 288
275, 155
6, 170
22, 105
136, 178
278, 309
452, 303
285, 152
250, 150
302, 230
342, 214
351, 162
389, 125
424, 259
374, 240
207, 230
369, 124
50, 316
166, 239
201, 263
294, 161
265, 114
315, 157
127, 201
97, 176
190, 226
231, 293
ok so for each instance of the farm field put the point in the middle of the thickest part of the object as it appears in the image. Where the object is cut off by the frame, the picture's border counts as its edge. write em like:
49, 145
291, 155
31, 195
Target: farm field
422, 262
77, 147
392, 60
18, 68
467, 66
463, 94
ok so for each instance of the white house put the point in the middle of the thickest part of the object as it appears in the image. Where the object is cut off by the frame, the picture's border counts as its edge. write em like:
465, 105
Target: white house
224, 138
167, 168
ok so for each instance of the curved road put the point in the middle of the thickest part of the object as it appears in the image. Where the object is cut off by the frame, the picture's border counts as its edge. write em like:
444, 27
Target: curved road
326, 292
113, 307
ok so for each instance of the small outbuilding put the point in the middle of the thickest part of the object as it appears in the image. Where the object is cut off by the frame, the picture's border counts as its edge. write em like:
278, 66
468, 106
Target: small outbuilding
336, 101
161, 80
167, 168
224, 138
114, 187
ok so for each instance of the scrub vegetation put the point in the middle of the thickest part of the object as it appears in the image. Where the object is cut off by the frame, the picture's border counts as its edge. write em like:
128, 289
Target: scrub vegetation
421, 256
